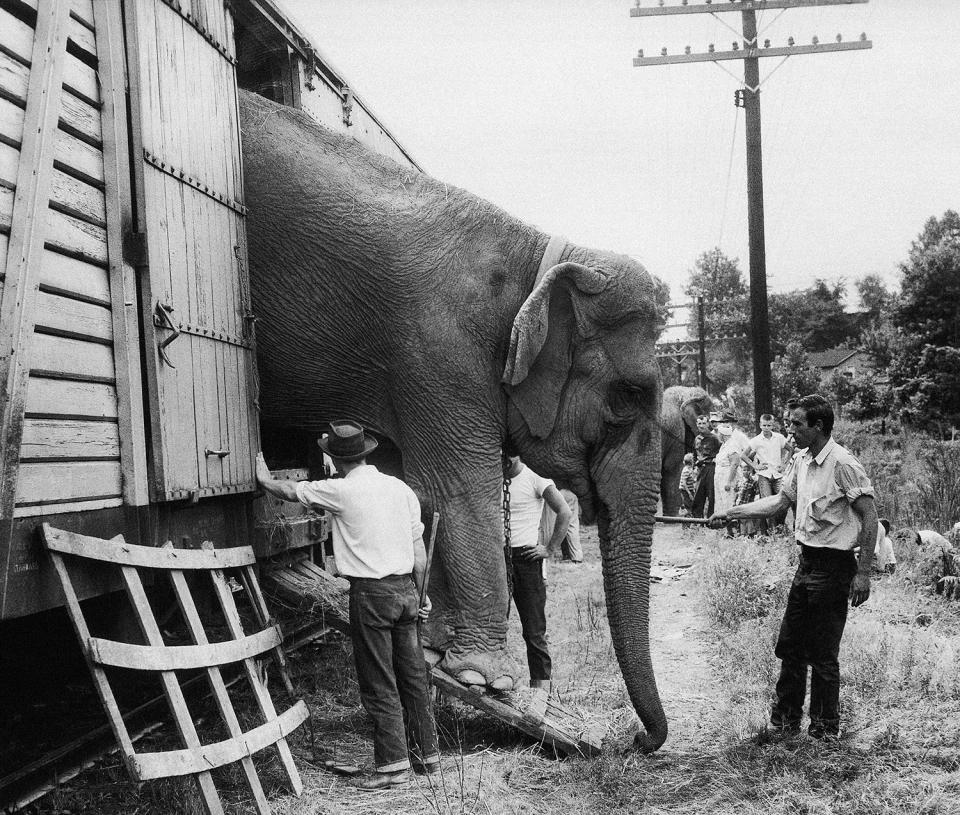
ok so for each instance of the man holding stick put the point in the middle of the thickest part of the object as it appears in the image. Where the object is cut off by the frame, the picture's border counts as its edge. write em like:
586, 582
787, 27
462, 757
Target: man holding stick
378, 545
835, 513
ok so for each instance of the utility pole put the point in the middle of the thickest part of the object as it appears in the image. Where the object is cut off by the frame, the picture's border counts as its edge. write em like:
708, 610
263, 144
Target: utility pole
749, 99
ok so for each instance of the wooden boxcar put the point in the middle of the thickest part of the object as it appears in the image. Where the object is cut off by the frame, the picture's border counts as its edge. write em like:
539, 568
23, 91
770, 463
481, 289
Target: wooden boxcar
126, 330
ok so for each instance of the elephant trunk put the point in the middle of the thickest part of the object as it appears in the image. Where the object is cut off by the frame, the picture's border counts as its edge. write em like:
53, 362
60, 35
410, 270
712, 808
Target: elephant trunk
627, 492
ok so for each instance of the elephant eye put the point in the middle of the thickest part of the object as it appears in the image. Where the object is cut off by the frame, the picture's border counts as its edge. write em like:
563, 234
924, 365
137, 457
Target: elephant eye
624, 400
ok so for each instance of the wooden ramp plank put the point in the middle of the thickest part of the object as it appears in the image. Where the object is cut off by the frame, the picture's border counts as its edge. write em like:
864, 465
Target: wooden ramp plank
533, 712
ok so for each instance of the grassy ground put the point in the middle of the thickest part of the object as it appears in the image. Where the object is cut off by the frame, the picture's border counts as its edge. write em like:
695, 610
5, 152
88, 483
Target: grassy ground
712, 635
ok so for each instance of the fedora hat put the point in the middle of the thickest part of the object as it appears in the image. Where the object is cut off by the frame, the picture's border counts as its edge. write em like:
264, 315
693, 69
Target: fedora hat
729, 417
347, 441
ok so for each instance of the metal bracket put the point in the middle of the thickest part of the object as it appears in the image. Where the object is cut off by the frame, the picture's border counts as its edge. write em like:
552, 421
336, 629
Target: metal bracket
221, 453
135, 249
162, 319
347, 105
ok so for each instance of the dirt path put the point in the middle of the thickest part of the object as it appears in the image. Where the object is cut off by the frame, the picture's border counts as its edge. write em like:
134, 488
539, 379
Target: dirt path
680, 638
681, 642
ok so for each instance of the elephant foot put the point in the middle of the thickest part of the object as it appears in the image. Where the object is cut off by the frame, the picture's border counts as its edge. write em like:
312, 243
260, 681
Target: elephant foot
491, 669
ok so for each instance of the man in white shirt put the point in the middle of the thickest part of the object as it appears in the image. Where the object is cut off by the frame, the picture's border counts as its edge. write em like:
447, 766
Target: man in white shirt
528, 494
378, 544
766, 450
835, 513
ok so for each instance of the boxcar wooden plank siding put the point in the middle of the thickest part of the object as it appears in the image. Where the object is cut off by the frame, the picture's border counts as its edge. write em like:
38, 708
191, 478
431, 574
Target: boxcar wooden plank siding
76, 157
73, 318
11, 122
9, 162
6, 208
79, 77
59, 482
77, 198
80, 29
66, 398
76, 238
60, 273
69, 438
74, 358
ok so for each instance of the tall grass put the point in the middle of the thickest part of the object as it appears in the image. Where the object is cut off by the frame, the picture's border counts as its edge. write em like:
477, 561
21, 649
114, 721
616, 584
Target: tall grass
917, 478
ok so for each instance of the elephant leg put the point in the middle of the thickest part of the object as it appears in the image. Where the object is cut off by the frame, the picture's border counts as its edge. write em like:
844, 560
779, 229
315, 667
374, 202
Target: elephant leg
468, 584
670, 490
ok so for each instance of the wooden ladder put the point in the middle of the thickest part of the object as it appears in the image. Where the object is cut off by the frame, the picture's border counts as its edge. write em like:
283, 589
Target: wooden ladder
195, 758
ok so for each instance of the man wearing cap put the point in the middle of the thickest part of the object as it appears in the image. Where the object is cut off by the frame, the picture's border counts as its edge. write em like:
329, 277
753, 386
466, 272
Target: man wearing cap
378, 545
835, 513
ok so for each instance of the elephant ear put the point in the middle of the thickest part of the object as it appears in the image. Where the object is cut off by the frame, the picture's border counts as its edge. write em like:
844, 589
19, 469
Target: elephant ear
541, 342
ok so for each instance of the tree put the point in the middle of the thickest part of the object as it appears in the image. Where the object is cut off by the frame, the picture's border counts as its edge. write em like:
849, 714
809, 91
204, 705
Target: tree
719, 281
813, 317
875, 298
929, 303
792, 374
925, 371
929, 392
661, 298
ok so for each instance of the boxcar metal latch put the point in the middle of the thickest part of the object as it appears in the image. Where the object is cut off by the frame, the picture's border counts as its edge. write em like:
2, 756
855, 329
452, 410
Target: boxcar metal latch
162, 319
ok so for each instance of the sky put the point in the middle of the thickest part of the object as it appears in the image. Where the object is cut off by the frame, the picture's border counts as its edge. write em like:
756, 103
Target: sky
536, 106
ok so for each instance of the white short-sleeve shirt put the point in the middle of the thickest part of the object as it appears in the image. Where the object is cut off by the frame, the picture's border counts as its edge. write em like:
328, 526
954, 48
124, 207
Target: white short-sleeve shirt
769, 451
375, 518
526, 506
824, 487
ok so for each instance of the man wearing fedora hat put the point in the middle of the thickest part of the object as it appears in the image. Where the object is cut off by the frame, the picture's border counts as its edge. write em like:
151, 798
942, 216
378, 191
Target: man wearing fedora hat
378, 544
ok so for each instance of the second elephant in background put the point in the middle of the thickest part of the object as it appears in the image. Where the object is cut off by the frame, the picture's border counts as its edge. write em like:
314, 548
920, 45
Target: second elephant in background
678, 426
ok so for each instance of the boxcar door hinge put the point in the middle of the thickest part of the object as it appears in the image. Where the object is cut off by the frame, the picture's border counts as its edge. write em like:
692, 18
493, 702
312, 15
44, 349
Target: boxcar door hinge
135, 248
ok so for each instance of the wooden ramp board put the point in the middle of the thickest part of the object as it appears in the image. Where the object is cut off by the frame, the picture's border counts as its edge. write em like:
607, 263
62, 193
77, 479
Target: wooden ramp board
305, 586
532, 711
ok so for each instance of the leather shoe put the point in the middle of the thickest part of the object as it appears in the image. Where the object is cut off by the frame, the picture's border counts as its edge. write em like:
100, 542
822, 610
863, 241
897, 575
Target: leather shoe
425, 769
383, 781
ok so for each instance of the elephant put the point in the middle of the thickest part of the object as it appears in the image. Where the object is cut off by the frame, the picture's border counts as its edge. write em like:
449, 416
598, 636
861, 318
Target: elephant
459, 332
681, 406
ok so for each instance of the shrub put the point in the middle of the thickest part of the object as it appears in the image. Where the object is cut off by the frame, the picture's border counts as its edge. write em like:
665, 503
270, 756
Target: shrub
739, 583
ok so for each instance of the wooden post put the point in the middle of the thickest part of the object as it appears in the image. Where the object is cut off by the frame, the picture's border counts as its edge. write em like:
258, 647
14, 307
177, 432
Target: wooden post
702, 338
27, 234
760, 330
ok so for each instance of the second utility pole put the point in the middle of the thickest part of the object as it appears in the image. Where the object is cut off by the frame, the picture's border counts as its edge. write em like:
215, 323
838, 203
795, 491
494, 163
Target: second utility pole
750, 97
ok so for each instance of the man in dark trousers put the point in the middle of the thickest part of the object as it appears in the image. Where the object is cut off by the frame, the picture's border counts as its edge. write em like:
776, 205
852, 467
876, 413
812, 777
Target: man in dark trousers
833, 500
528, 494
378, 545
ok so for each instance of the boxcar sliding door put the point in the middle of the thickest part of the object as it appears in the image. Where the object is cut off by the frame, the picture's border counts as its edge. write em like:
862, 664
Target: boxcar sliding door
200, 366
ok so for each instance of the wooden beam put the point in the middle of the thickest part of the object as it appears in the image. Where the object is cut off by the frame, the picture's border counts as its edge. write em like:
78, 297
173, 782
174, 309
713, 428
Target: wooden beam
181, 657
123, 284
120, 552
753, 53
735, 5
28, 228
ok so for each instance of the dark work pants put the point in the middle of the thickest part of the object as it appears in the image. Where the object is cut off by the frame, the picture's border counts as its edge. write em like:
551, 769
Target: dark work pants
810, 635
703, 498
391, 671
530, 598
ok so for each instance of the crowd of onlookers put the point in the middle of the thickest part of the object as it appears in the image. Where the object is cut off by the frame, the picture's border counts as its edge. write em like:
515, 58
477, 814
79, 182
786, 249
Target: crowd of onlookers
730, 468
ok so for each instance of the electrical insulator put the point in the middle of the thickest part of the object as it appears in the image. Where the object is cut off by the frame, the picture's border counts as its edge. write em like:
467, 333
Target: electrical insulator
686, 50
766, 43
663, 52
839, 37
789, 40
640, 53
863, 37
736, 46
710, 48
816, 40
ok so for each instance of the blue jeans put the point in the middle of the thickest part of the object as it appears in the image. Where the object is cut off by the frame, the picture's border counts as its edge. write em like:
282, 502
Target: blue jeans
810, 634
391, 671
530, 598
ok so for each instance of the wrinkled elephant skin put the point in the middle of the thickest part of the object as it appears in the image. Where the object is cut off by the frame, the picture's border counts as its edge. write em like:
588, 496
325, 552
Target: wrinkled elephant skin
386, 296
678, 428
